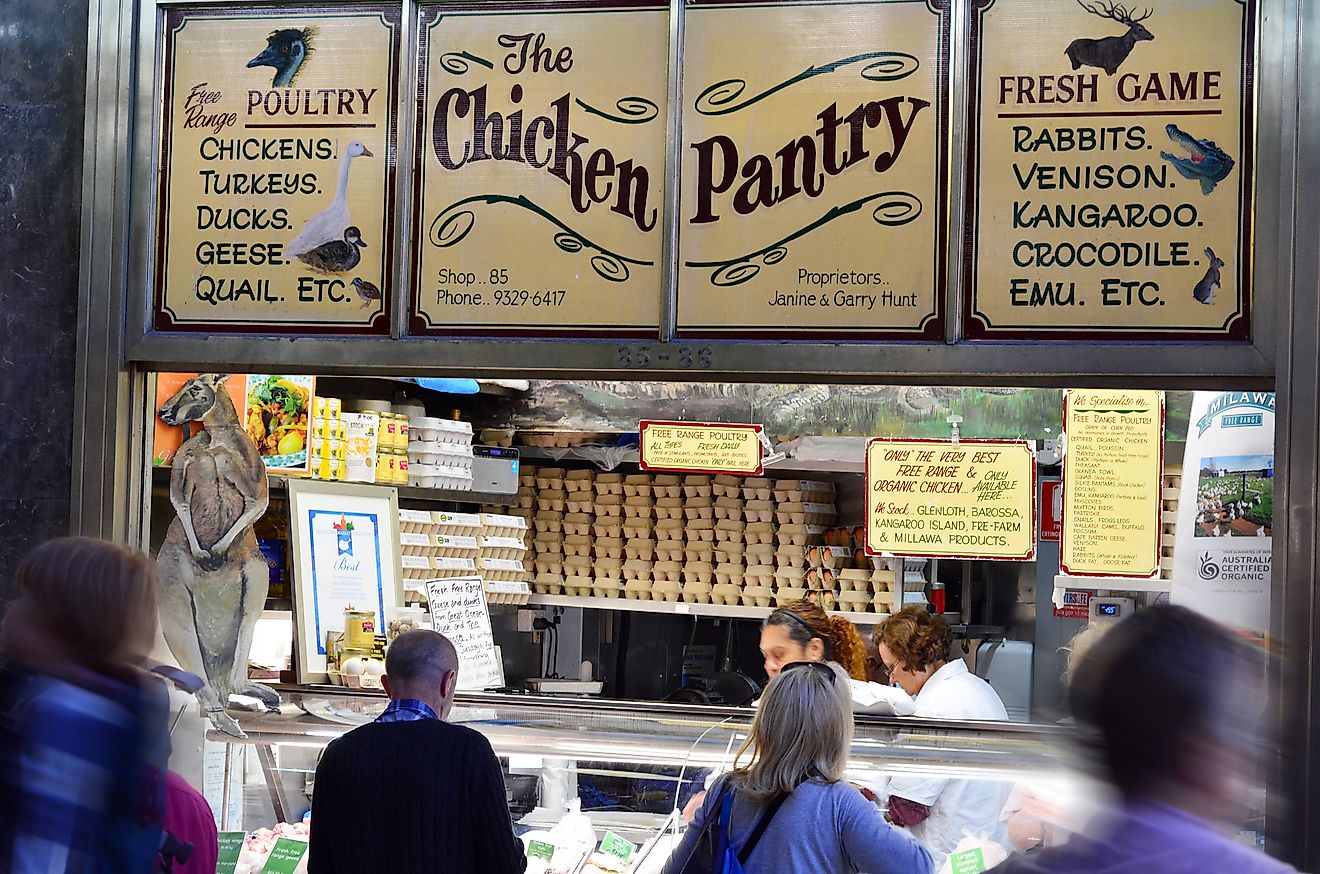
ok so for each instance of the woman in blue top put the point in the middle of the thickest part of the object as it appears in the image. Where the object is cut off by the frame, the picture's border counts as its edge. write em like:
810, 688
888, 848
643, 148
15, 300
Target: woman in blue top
798, 748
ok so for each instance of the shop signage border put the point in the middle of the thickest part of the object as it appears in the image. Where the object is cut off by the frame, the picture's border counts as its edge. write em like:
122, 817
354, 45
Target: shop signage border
1238, 326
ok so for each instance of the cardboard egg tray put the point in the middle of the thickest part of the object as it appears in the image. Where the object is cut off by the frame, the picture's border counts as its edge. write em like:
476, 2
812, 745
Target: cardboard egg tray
757, 489
551, 566
609, 506
548, 522
638, 508
728, 531
577, 545
699, 530
578, 524
501, 570
761, 575
758, 596
729, 573
416, 567
607, 528
666, 590
548, 583
506, 592
579, 565
670, 550
580, 502
759, 511
524, 500
834, 557
789, 594
459, 524
698, 571
726, 593
760, 532
696, 487
641, 549
578, 585
638, 589
853, 579
608, 547
638, 529
451, 546
548, 543
699, 508
607, 587
416, 522
551, 501
500, 525
669, 529
804, 491
788, 577
729, 509
697, 551
668, 508
636, 569
729, 552
550, 478
577, 481
667, 572
696, 592
667, 486
796, 513
507, 548
608, 484
858, 602
725, 486
612, 568
790, 557
637, 485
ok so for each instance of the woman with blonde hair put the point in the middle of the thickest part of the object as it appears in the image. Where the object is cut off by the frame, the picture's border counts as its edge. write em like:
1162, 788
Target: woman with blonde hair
801, 631
83, 732
785, 806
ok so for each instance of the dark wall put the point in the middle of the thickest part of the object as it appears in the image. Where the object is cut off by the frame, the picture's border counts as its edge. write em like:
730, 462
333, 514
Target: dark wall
43, 56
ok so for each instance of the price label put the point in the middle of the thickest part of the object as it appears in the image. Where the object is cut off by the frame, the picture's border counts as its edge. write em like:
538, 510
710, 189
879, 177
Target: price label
540, 850
285, 856
967, 862
231, 845
619, 848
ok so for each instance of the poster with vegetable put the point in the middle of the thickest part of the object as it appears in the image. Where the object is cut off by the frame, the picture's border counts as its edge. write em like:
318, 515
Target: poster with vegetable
276, 414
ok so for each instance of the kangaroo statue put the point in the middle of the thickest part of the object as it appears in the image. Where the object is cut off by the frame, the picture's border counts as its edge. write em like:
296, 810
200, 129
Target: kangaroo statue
213, 576
1110, 52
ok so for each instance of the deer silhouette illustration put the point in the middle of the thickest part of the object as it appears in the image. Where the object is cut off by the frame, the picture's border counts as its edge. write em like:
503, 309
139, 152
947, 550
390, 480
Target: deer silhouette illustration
1110, 52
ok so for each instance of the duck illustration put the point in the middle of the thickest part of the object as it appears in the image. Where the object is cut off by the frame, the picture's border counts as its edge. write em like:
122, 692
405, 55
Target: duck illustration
328, 225
286, 50
336, 256
368, 292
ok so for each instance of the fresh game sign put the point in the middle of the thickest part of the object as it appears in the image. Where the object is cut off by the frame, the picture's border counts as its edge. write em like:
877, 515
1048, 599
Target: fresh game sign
1111, 169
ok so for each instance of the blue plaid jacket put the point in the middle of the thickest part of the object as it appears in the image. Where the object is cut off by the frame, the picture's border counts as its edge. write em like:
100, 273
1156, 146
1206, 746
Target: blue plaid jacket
406, 710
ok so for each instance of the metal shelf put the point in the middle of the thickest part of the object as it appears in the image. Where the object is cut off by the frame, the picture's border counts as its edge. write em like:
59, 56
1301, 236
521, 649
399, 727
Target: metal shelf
1111, 584
161, 475
678, 608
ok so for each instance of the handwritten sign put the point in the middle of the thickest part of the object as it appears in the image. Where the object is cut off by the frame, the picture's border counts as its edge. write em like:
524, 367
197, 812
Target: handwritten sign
459, 612
541, 169
277, 170
230, 847
1113, 468
1111, 183
813, 195
931, 498
701, 447
285, 856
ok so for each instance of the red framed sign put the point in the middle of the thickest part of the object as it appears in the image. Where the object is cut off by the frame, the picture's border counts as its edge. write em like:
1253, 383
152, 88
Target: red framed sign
701, 447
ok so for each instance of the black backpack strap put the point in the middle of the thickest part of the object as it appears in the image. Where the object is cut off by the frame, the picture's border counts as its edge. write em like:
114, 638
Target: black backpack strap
746, 852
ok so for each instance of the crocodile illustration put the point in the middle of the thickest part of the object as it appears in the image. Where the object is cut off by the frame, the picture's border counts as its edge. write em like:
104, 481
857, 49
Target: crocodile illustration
1205, 163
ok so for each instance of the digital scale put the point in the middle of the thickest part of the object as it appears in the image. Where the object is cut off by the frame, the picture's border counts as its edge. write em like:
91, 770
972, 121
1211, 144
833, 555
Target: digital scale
495, 470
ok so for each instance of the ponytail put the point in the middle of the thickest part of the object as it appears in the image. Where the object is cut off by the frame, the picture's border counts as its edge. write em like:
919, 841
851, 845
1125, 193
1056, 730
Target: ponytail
849, 650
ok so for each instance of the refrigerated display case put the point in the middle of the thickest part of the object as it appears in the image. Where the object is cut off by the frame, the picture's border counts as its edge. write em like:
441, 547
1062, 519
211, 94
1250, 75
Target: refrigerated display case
632, 764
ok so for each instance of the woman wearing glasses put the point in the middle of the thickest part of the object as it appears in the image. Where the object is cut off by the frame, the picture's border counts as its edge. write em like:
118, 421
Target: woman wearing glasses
802, 632
787, 789
914, 645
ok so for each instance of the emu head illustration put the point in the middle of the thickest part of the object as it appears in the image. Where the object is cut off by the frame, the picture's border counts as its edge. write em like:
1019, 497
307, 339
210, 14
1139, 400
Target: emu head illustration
198, 397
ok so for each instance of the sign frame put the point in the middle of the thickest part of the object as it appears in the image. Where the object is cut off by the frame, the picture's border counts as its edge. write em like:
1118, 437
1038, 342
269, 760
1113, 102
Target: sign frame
757, 430
1159, 509
1242, 327
1032, 523
160, 318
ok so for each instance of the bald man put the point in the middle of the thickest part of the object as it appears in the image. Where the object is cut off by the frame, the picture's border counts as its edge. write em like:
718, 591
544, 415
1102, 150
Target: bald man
410, 792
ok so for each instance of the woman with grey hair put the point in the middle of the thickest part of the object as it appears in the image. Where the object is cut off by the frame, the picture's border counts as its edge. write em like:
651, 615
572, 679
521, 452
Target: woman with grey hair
786, 795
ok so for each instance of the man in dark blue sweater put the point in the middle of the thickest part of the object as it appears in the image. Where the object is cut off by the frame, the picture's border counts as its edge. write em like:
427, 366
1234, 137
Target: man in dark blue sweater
411, 793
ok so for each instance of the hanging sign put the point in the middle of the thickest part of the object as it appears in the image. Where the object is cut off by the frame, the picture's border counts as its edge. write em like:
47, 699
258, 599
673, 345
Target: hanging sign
459, 612
276, 204
701, 447
815, 149
1111, 171
934, 499
1222, 552
540, 169
1113, 474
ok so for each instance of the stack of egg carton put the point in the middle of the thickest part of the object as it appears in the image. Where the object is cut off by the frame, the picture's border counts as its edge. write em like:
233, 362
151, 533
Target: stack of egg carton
440, 453
544, 493
653, 536
802, 510
502, 546
434, 546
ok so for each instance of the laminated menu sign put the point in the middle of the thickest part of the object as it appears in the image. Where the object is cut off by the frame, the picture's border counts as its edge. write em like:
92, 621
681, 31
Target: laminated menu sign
540, 184
932, 498
285, 856
815, 149
1111, 183
459, 612
1113, 470
277, 157
701, 447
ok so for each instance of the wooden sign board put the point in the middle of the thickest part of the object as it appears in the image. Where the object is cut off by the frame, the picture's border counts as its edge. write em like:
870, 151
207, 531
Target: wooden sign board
540, 181
1113, 474
1111, 182
277, 164
701, 447
930, 498
814, 164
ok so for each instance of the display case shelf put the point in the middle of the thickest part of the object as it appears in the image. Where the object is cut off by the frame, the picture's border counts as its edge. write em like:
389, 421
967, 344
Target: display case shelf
678, 608
161, 476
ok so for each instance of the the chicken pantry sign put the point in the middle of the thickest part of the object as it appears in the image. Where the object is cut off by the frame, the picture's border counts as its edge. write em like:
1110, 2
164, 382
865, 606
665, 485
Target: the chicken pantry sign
277, 158
540, 169
1111, 170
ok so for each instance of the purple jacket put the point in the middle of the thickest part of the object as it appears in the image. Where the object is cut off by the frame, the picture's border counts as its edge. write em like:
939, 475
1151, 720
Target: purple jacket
1147, 839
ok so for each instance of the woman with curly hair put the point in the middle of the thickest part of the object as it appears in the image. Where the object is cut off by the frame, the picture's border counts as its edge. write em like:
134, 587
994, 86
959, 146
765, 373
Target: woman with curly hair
801, 631
914, 645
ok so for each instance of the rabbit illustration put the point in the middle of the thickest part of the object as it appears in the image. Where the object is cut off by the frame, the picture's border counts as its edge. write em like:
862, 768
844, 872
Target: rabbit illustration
1205, 289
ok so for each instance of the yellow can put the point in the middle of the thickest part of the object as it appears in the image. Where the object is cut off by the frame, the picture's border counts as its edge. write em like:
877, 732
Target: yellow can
401, 468
359, 629
384, 468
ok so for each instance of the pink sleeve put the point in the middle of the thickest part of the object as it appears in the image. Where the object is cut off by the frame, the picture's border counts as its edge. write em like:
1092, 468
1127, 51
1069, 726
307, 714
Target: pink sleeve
906, 813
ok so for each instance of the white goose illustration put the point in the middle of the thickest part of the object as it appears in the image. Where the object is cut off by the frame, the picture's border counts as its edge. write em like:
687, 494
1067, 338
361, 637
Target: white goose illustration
330, 223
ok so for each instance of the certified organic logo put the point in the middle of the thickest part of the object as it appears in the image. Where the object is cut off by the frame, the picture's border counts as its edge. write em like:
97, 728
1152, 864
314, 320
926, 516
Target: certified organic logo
1209, 569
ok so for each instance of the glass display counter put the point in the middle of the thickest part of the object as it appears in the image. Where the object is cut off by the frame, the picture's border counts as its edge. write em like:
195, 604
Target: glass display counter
631, 763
